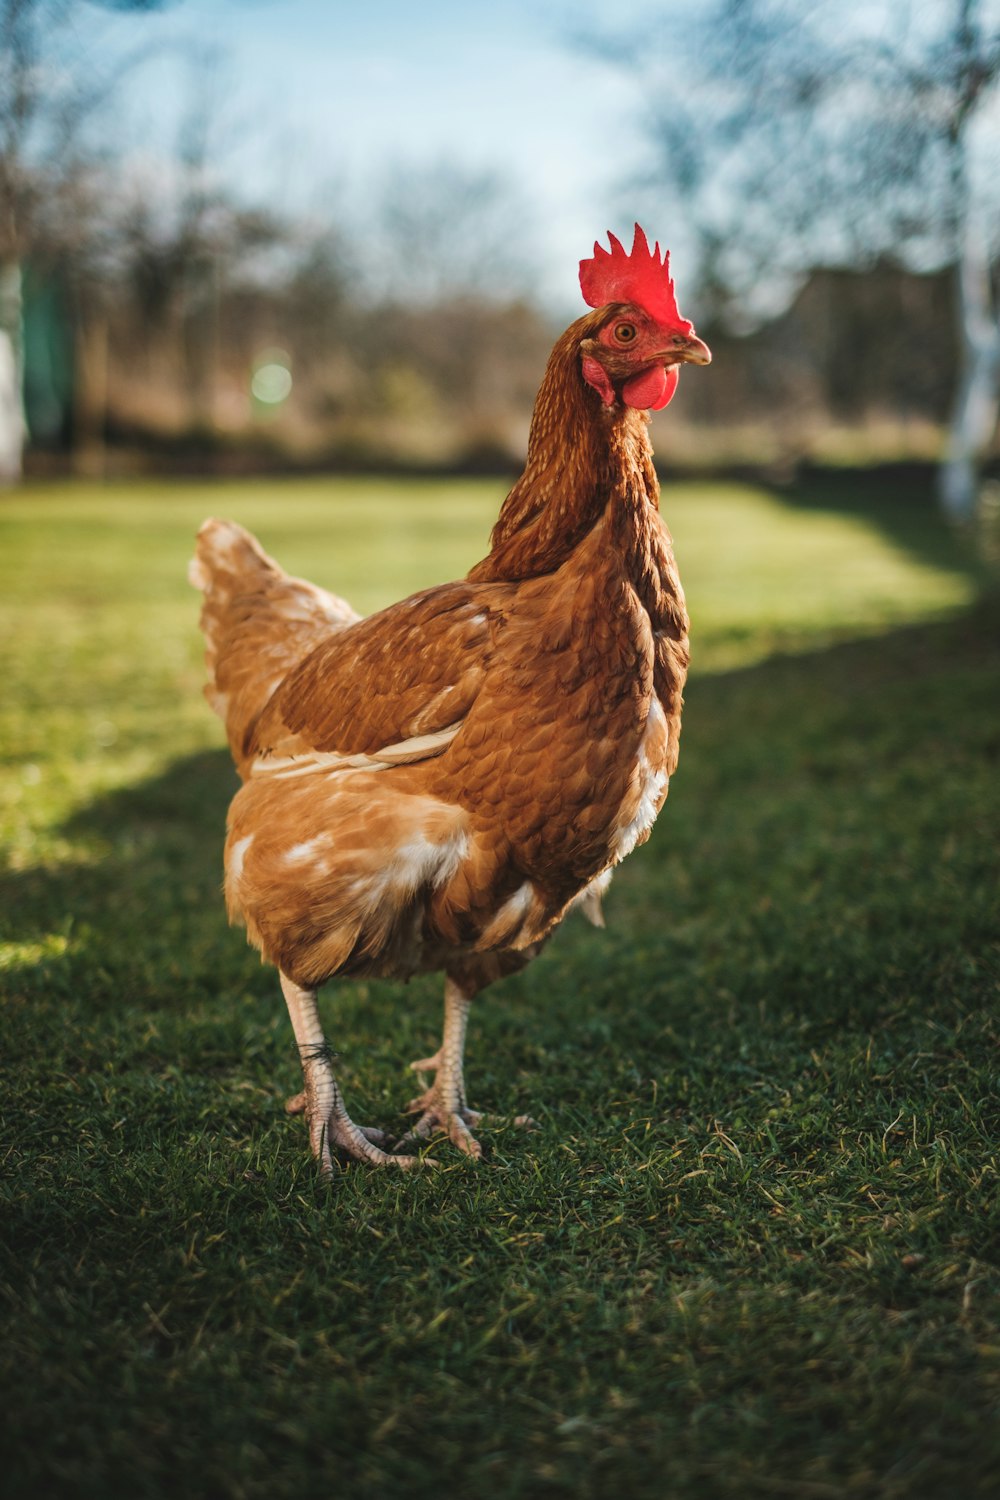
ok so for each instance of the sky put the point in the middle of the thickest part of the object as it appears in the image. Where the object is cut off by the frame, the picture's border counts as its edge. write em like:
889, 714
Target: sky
316, 98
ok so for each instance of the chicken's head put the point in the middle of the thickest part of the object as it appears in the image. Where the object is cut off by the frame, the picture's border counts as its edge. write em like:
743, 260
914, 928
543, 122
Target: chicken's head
635, 354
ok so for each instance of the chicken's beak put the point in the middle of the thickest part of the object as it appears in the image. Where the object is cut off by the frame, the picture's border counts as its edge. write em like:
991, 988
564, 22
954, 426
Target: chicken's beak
692, 352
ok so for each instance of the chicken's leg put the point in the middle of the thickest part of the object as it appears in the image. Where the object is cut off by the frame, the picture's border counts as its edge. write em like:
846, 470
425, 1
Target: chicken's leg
321, 1101
443, 1106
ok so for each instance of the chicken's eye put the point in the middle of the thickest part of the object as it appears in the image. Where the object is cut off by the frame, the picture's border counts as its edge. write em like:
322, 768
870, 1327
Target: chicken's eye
625, 333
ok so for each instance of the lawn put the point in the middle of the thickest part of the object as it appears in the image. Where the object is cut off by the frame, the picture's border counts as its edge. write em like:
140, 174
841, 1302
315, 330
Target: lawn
752, 1250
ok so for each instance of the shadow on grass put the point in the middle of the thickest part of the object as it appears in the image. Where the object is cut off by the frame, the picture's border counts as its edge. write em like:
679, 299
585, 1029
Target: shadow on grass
901, 501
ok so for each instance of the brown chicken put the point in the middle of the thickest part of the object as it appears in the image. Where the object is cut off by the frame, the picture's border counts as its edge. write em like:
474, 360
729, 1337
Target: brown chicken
436, 786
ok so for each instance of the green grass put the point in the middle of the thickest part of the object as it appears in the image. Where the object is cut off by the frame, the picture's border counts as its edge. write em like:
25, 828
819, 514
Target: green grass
752, 1251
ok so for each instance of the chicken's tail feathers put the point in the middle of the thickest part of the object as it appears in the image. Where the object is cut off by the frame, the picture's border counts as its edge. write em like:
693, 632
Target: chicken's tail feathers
225, 550
258, 623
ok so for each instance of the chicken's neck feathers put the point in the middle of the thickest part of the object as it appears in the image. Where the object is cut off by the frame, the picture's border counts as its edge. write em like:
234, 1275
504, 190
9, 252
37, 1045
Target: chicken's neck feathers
582, 457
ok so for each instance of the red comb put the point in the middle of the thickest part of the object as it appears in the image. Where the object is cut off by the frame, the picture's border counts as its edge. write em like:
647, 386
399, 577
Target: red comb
639, 276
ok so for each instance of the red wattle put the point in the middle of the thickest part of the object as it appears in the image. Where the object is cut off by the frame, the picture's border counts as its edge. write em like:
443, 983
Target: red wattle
651, 390
669, 389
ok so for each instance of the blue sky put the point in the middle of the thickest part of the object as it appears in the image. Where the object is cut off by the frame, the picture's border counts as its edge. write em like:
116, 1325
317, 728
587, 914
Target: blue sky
317, 97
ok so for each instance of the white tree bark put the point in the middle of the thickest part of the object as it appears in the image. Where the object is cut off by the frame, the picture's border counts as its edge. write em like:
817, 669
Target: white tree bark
974, 413
12, 423
977, 400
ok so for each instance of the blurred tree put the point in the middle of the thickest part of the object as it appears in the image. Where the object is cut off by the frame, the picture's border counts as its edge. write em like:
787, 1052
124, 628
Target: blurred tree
839, 133
445, 230
45, 170
452, 334
180, 242
409, 336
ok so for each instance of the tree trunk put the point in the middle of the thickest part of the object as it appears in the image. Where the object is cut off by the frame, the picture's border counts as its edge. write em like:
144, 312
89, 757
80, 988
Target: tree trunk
974, 413
12, 423
977, 400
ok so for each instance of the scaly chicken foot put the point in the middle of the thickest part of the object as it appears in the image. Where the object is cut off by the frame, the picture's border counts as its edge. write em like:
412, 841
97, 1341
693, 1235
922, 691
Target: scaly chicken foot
428, 1100
297, 1105
330, 1126
443, 1106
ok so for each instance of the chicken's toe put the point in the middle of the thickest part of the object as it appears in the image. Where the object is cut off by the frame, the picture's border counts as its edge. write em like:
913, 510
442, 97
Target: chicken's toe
428, 1103
455, 1125
427, 1064
297, 1105
477, 1117
362, 1143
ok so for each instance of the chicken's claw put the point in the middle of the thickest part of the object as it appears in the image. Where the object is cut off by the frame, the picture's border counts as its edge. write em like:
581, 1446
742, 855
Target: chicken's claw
356, 1142
457, 1122
435, 1116
332, 1132
296, 1105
